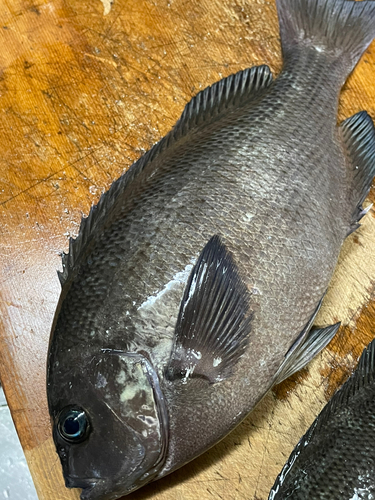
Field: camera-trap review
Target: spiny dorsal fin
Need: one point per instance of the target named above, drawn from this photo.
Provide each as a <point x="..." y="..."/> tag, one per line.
<point x="228" y="92"/>
<point x="213" y="324"/>
<point x="363" y="376"/>
<point x="98" y="214"/>
<point x="358" y="134"/>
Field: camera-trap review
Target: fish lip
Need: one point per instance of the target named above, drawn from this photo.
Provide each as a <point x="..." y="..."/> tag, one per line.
<point x="78" y="482"/>
<point x="94" y="491"/>
<point x="92" y="488"/>
<point x="86" y="493"/>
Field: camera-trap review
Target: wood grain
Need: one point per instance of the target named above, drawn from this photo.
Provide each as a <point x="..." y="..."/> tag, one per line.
<point x="82" y="95"/>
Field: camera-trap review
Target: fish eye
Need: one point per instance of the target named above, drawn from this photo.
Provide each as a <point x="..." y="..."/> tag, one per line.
<point x="73" y="425"/>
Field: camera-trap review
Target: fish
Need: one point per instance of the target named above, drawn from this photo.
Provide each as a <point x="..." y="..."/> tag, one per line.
<point x="335" y="459"/>
<point x="193" y="285"/>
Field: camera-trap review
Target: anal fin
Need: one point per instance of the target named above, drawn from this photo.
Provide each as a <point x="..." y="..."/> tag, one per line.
<point x="214" y="320"/>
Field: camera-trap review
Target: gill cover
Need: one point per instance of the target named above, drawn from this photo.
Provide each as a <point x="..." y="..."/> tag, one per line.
<point x="125" y="444"/>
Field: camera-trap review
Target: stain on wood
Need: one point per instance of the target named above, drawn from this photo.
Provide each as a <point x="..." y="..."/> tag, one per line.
<point x="82" y="95"/>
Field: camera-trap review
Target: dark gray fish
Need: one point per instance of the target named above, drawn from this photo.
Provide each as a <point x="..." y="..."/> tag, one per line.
<point x="192" y="286"/>
<point x="335" y="459"/>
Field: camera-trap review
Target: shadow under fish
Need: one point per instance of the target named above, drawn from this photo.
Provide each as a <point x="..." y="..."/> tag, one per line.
<point x="193" y="285"/>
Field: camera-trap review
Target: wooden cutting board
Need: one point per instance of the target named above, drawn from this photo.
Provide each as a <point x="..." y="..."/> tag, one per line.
<point x="86" y="87"/>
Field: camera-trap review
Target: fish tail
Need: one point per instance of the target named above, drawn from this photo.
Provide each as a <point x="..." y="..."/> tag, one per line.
<point x="342" y="28"/>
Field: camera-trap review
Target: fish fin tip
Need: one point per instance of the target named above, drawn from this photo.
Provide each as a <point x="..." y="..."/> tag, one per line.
<point x="214" y="320"/>
<point x="366" y="368"/>
<point x="342" y="28"/>
<point x="228" y="92"/>
<point x="300" y="355"/>
<point x="97" y="217"/>
<point x="60" y="275"/>
<point x="358" y="135"/>
<point x="363" y="375"/>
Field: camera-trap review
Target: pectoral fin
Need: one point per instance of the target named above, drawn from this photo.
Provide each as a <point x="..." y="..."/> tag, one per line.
<point x="214" y="321"/>
<point x="298" y="356"/>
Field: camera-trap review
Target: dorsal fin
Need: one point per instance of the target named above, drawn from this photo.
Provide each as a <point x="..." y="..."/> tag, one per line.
<point x="358" y="134"/>
<point x="228" y="92"/>
<point x="98" y="214"/>
<point x="363" y="376"/>
<point x="96" y="219"/>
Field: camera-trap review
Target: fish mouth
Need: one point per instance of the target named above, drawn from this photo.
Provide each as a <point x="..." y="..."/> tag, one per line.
<point x="98" y="490"/>
<point x="89" y="492"/>
<point x="101" y="490"/>
<point x="79" y="482"/>
<point x="92" y="488"/>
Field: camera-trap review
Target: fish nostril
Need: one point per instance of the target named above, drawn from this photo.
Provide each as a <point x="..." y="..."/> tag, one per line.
<point x="62" y="453"/>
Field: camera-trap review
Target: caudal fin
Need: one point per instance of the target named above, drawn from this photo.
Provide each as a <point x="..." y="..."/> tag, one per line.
<point x="343" y="28"/>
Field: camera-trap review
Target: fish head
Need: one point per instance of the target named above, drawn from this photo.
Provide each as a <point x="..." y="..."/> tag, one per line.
<point x="110" y="424"/>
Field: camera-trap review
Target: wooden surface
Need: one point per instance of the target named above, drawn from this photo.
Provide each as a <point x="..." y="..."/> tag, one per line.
<point x="86" y="87"/>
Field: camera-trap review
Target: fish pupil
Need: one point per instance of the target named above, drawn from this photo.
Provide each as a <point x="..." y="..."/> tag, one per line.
<point x="71" y="426"/>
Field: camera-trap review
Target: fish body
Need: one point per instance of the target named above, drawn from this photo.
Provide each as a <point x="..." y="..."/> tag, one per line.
<point x="335" y="459"/>
<point x="193" y="284"/>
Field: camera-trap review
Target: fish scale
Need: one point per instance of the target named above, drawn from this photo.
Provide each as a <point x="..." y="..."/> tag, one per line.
<point x="206" y="263"/>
